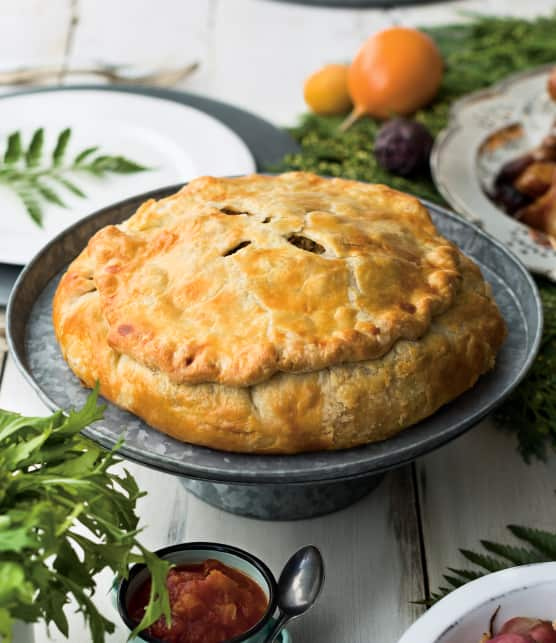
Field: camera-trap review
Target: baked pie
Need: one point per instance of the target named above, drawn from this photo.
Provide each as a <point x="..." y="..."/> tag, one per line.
<point x="277" y="314"/>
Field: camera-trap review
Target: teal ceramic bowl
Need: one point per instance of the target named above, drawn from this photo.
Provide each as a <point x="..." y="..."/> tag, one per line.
<point x="198" y="552"/>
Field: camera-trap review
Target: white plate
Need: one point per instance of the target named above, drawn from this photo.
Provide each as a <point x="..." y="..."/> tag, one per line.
<point x="463" y="615"/>
<point x="177" y="141"/>
<point x="463" y="165"/>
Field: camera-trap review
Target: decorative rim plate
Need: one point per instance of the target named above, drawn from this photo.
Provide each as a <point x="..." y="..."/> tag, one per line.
<point x="486" y="129"/>
<point x="34" y="348"/>
<point x="464" y="614"/>
<point x="175" y="141"/>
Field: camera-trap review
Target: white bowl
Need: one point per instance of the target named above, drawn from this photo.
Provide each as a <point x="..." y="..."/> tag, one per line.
<point x="463" y="615"/>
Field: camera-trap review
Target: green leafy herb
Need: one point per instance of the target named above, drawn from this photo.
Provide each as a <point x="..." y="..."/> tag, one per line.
<point x="535" y="546"/>
<point x="64" y="517"/>
<point x="36" y="182"/>
<point x="477" y="53"/>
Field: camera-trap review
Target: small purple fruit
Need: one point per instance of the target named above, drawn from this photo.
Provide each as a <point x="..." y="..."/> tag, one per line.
<point x="403" y="146"/>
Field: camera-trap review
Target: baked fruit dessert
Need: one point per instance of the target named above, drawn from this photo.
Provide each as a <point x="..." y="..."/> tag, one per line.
<point x="277" y="314"/>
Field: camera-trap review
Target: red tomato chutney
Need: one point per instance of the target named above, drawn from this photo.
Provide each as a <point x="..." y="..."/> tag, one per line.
<point x="210" y="603"/>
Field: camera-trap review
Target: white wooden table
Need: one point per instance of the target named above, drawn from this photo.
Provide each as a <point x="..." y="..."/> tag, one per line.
<point x="389" y="548"/>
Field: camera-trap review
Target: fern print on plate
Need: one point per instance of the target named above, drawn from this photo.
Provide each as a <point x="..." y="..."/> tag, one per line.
<point x="36" y="180"/>
<point x="142" y="143"/>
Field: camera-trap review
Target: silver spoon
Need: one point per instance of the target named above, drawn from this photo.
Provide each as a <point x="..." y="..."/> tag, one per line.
<point x="298" y="587"/>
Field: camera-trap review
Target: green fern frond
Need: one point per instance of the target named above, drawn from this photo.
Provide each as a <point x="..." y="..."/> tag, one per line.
<point x="36" y="182"/>
<point x="515" y="555"/>
<point x="543" y="541"/>
<point x="454" y="581"/>
<point x="47" y="193"/>
<point x="488" y="563"/>
<point x="34" y="151"/>
<point x="14" y="150"/>
<point x="538" y="546"/>
<point x="69" y="185"/>
<point x="119" y="164"/>
<point x="61" y="145"/>
<point x="31" y="204"/>
<point x="468" y="574"/>
<point x="82" y="156"/>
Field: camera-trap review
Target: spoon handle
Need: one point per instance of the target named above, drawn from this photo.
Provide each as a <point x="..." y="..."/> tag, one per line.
<point x="278" y="627"/>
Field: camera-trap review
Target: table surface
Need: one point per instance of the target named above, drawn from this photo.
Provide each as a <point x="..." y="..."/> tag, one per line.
<point x="393" y="546"/>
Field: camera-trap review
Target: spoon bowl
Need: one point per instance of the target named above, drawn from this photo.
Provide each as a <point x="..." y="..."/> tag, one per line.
<point x="299" y="586"/>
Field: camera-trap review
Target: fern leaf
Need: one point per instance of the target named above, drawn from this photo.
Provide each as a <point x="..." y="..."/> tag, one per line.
<point x="486" y="562"/>
<point x="542" y="541"/>
<point x="33" y="180"/>
<point x="31" y="204"/>
<point x="14" y="150"/>
<point x="454" y="581"/>
<point x="61" y="146"/>
<point x="48" y="193"/>
<point x="515" y="555"/>
<point x="82" y="156"/>
<point x="69" y="185"/>
<point x="466" y="573"/>
<point x="118" y="164"/>
<point x="34" y="151"/>
<point x="123" y="165"/>
<point x="437" y="596"/>
<point x="543" y="548"/>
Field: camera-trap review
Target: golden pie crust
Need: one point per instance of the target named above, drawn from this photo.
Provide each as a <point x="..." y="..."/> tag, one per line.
<point x="277" y="314"/>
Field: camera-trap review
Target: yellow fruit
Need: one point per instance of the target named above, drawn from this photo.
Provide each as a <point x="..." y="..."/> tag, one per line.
<point x="326" y="91"/>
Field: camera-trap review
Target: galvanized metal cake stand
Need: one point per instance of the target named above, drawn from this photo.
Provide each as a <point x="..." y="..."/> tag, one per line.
<point x="270" y="487"/>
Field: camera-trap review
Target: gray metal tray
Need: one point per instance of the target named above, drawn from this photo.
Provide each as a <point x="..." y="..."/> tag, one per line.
<point x="34" y="348"/>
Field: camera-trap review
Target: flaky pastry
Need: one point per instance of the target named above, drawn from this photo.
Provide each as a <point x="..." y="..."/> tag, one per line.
<point x="277" y="314"/>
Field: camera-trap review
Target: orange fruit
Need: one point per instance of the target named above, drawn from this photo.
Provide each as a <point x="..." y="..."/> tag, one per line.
<point x="326" y="91"/>
<point x="395" y="72"/>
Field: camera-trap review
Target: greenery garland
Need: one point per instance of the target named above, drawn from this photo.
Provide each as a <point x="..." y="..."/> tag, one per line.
<point x="477" y="53"/>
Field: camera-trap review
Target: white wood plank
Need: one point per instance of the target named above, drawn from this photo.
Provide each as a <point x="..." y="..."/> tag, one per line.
<point x="472" y="488"/>
<point x="33" y="32"/>
<point x="165" y="32"/>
